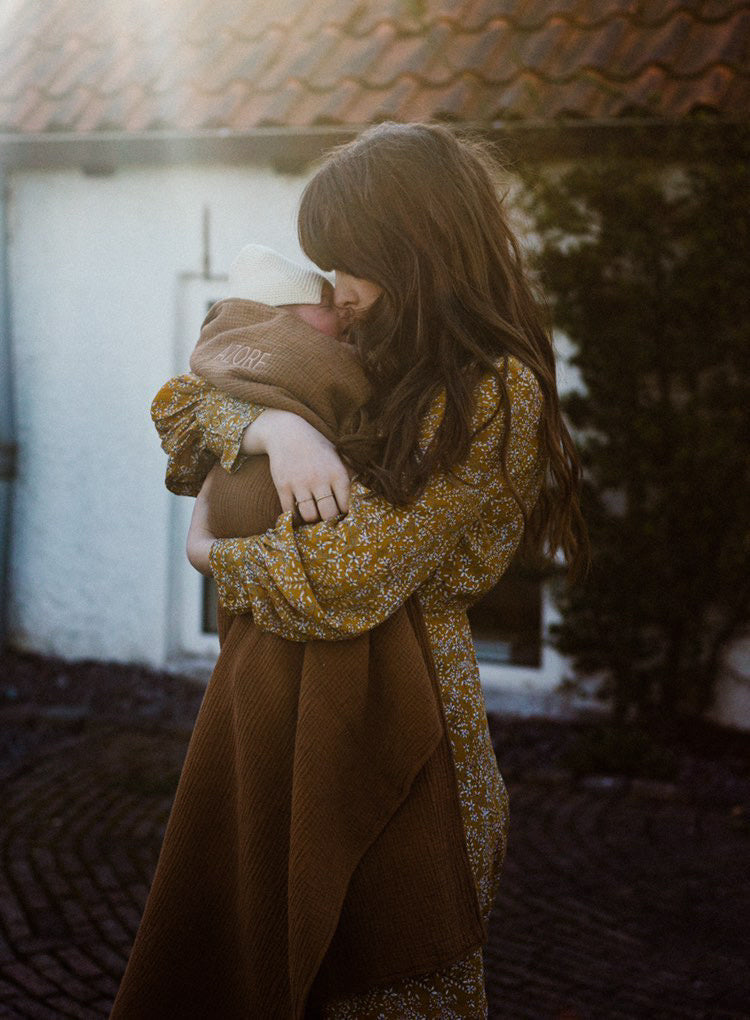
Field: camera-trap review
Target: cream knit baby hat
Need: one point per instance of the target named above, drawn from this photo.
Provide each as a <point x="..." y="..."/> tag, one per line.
<point x="261" y="274"/>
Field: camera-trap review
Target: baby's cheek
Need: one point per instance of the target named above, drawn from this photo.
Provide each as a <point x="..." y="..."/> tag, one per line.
<point x="332" y="323"/>
<point x="322" y="318"/>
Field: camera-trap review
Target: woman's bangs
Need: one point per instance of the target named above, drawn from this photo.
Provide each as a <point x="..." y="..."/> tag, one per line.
<point x="327" y="227"/>
<point x="317" y="227"/>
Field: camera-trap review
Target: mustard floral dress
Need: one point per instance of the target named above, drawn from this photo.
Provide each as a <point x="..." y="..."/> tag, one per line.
<point x="339" y="578"/>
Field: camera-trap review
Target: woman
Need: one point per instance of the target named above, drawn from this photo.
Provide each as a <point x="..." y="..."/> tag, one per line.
<point x="460" y="450"/>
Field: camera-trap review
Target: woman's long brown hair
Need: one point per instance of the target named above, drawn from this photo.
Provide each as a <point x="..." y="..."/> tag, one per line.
<point x="415" y="209"/>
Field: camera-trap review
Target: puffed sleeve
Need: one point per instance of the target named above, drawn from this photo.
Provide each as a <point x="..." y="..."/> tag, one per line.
<point x="197" y="425"/>
<point x="338" y="578"/>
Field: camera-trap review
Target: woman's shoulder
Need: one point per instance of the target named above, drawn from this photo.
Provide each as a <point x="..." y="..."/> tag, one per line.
<point x="524" y="391"/>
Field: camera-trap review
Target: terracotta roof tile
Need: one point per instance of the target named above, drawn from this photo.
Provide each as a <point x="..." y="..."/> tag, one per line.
<point x="202" y="20"/>
<point x="280" y="106"/>
<point x="87" y="67"/>
<point x="320" y="65"/>
<point x="13" y="54"/>
<point x="482" y="52"/>
<point x="200" y="110"/>
<point x="240" y="60"/>
<point x="730" y="47"/>
<point x="691" y="96"/>
<point x="247" y="115"/>
<point x="23" y="106"/>
<point x="523" y="96"/>
<point x="17" y="77"/>
<point x="39" y="68"/>
<point x="71" y="108"/>
<point x="737" y="95"/>
<point x="341" y="14"/>
<point x="332" y="108"/>
<point x="462" y="99"/>
<point x="41" y="115"/>
<point x="380" y="59"/>
<point x="104" y="113"/>
<point x="473" y="16"/>
<point x="647" y="89"/>
<point x="131" y="66"/>
<point x="83" y="65"/>
<point x="396" y="56"/>
<point x="394" y="103"/>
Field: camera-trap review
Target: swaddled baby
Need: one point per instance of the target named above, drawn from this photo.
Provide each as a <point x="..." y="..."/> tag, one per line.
<point x="273" y="342"/>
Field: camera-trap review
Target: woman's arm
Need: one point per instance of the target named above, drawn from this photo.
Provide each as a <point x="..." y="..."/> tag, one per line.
<point x="341" y="577"/>
<point x="199" y="424"/>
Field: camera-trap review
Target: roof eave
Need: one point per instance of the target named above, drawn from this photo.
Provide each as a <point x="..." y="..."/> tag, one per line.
<point x="291" y="149"/>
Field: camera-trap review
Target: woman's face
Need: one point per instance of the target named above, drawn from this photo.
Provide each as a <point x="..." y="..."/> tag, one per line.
<point x="353" y="296"/>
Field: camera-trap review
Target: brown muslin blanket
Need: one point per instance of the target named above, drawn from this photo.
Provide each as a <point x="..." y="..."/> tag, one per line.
<point x="268" y="356"/>
<point x="315" y="846"/>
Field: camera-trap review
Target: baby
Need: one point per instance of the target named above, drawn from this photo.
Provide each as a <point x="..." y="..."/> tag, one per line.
<point x="274" y="342"/>
<point x="263" y="275"/>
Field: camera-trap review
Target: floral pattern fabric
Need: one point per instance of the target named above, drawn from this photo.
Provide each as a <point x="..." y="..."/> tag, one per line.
<point x="341" y="577"/>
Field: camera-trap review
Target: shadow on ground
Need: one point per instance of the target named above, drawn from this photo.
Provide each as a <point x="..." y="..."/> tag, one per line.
<point x="623" y="896"/>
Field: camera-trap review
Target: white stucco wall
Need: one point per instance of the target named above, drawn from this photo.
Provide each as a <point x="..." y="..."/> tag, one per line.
<point x="100" y="273"/>
<point x="94" y="274"/>
<point x="100" y="280"/>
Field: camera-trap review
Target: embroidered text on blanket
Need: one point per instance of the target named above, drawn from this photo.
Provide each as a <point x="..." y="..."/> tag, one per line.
<point x="244" y="357"/>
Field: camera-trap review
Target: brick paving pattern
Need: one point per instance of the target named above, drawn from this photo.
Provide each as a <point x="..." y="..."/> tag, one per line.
<point x="621" y="898"/>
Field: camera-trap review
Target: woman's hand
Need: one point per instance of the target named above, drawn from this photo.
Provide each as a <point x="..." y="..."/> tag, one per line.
<point x="307" y="471"/>
<point x="200" y="539"/>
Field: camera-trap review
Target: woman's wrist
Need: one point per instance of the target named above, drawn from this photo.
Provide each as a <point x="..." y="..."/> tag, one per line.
<point x="212" y="551"/>
<point x="254" y="436"/>
<point x="271" y="431"/>
<point x="199" y="551"/>
<point x="199" y="536"/>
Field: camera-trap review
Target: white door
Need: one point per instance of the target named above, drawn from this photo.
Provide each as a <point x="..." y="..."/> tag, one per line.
<point x="194" y="623"/>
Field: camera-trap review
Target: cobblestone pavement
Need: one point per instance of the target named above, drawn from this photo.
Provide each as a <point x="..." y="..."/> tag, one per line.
<point x="621" y="898"/>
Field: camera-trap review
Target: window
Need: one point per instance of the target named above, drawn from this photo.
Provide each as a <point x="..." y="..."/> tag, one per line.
<point x="210" y="593"/>
<point x="210" y="605"/>
<point x="507" y="623"/>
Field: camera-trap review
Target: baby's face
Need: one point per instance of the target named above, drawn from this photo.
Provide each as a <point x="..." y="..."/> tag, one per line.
<point x="322" y="317"/>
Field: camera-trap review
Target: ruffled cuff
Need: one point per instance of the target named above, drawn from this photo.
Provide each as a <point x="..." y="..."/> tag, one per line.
<point x="228" y="560"/>
<point x="223" y="420"/>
